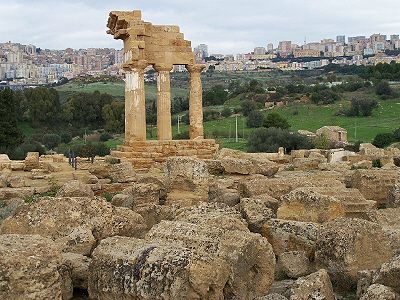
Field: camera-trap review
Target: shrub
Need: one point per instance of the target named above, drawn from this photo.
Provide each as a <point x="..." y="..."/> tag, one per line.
<point x="383" y="89"/>
<point x="226" y="112"/>
<point x="51" y="140"/>
<point x="376" y="163"/>
<point x="184" y="135"/>
<point x="104" y="137"/>
<point x="248" y="106"/>
<point x="276" y="120"/>
<point x="65" y="137"/>
<point x="210" y="115"/>
<point x="383" y="140"/>
<point x="20" y="152"/>
<point x="362" y="107"/>
<point x="322" y="142"/>
<point x="270" y="139"/>
<point x="325" y="96"/>
<point x="255" y="119"/>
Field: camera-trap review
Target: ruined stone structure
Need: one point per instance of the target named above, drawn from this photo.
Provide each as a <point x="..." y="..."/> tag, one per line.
<point x="161" y="46"/>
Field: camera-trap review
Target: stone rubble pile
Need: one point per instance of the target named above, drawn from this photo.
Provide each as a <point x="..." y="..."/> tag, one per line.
<point x="238" y="226"/>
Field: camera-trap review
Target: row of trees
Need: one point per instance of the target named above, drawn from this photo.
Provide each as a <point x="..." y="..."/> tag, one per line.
<point x="378" y="72"/>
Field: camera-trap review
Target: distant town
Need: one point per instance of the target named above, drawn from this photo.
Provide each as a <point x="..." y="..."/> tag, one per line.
<point x="28" y="65"/>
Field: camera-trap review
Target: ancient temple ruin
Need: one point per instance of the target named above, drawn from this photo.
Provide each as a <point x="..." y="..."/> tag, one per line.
<point x="161" y="46"/>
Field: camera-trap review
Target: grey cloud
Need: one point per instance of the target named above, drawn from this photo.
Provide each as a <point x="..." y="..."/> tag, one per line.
<point x="227" y="26"/>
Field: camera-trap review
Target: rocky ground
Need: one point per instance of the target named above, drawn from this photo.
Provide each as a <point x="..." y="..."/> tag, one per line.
<point x="240" y="226"/>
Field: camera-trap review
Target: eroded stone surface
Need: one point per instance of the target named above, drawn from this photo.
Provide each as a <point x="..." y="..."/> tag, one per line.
<point x="29" y="268"/>
<point x="75" y="224"/>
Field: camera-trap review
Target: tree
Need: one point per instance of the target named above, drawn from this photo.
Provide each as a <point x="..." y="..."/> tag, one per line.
<point x="10" y="135"/>
<point x="383" y="89"/>
<point x="383" y="140"/>
<point x="324" y="96"/>
<point x="215" y="96"/>
<point x="270" y="139"/>
<point x="51" y="140"/>
<point x="248" y="106"/>
<point x="85" y="109"/>
<point x="114" y="116"/>
<point x="43" y="105"/>
<point x="255" y="119"/>
<point x="226" y="112"/>
<point x="276" y="120"/>
<point x="362" y="107"/>
<point x="256" y="87"/>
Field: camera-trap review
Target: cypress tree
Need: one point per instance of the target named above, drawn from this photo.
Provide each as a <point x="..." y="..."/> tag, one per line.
<point x="10" y="134"/>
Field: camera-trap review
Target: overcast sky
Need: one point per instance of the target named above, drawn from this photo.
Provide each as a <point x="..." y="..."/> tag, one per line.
<point x="227" y="26"/>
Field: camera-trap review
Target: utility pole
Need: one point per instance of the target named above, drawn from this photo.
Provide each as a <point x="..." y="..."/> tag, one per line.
<point x="236" y="128"/>
<point x="355" y="130"/>
<point x="179" y="121"/>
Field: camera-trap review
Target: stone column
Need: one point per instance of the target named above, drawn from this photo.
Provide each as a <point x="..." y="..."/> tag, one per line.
<point x="135" y="103"/>
<point x="164" y="127"/>
<point x="196" y="130"/>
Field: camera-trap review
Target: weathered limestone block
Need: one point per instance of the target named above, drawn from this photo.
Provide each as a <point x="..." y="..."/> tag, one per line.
<point x="122" y="173"/>
<point x="354" y="203"/>
<point x="282" y="287"/>
<point x="214" y="166"/>
<point x="129" y="268"/>
<point x="273" y="296"/>
<point x="306" y="205"/>
<point x="314" y="286"/>
<point x="374" y="184"/>
<point x="38" y="174"/>
<point x="32" y="161"/>
<point x="394" y="194"/>
<point x="389" y="274"/>
<point x="364" y="164"/>
<point x="185" y="173"/>
<point x="389" y="220"/>
<point x="256" y="212"/>
<point x="277" y="187"/>
<point x="75" y="188"/>
<point x="306" y="164"/>
<point x="249" y="256"/>
<point x="379" y="292"/>
<point x="5" y="162"/>
<point x="78" y="266"/>
<point x="364" y="280"/>
<point x="285" y="235"/>
<point x="100" y="170"/>
<point x="154" y="213"/>
<point x="141" y="193"/>
<point x="220" y="194"/>
<point x="214" y="215"/>
<point x="10" y="193"/>
<point x="346" y="246"/>
<point x="294" y="264"/>
<point x="7" y="207"/>
<point x="233" y="165"/>
<point x="16" y="181"/>
<point x="29" y="268"/>
<point x="75" y="224"/>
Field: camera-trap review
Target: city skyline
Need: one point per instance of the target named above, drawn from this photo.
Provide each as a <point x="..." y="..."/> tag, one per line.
<point x="227" y="28"/>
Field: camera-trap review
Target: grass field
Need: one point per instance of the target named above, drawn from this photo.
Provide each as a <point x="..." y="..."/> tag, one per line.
<point x="115" y="89"/>
<point x="385" y="118"/>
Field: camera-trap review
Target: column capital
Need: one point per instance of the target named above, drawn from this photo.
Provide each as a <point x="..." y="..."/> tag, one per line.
<point x="138" y="64"/>
<point x="163" y="67"/>
<point x="195" y="68"/>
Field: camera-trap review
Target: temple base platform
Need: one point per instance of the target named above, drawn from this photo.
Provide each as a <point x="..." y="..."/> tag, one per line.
<point x="146" y="154"/>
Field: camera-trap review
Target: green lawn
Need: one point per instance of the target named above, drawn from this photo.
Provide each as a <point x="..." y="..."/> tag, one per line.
<point x="385" y="118"/>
